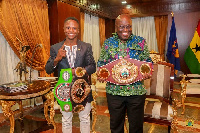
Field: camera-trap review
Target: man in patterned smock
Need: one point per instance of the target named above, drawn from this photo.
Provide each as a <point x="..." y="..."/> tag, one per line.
<point x="130" y="98"/>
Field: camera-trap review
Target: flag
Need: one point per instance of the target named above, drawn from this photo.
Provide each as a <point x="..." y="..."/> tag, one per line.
<point x="192" y="53"/>
<point x="172" y="51"/>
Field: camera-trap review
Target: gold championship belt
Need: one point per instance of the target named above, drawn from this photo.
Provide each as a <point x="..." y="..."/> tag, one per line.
<point x="125" y="71"/>
<point x="80" y="90"/>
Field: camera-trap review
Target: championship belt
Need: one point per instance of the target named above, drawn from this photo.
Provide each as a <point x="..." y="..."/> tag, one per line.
<point x="79" y="90"/>
<point x="62" y="89"/>
<point x="125" y="71"/>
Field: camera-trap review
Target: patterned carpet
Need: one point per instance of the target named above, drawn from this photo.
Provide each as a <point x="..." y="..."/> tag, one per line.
<point x="190" y="121"/>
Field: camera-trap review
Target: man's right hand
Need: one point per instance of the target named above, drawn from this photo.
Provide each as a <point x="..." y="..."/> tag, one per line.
<point x="99" y="78"/>
<point x="60" y="55"/>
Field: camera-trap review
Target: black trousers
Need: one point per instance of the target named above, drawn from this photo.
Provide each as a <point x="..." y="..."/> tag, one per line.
<point x="120" y="105"/>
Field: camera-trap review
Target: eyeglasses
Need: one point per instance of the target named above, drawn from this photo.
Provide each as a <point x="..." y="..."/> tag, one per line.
<point x="122" y="27"/>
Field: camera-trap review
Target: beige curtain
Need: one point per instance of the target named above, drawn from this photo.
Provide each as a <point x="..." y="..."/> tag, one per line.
<point x="27" y="20"/>
<point x="91" y="34"/>
<point x="161" y="23"/>
<point x="145" y="27"/>
<point x="102" y="30"/>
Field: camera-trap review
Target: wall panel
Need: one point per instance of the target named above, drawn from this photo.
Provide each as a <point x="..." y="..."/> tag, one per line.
<point x="64" y="11"/>
<point x="58" y="12"/>
<point x="53" y="21"/>
<point x="109" y="27"/>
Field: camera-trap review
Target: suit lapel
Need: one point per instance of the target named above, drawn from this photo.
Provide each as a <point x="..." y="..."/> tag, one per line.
<point x="77" y="53"/>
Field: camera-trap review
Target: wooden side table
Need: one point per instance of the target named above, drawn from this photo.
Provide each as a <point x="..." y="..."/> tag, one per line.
<point x="37" y="88"/>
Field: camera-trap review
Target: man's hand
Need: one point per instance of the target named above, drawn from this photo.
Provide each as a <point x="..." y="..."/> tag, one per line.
<point x="147" y="76"/>
<point x="60" y="55"/>
<point x="99" y="78"/>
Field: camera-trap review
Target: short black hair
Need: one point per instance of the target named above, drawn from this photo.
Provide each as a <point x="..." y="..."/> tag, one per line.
<point x="71" y="18"/>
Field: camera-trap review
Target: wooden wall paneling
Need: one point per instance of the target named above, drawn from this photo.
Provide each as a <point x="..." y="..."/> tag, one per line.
<point x="53" y="21"/>
<point x="75" y="12"/>
<point x="109" y="27"/>
<point x="136" y="8"/>
<point x="64" y="11"/>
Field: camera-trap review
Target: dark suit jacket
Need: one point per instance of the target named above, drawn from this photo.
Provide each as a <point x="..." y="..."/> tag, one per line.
<point x="84" y="58"/>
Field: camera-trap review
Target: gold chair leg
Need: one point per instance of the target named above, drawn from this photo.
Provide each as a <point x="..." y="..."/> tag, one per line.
<point x="183" y="104"/>
<point x="125" y="128"/>
<point x="50" y="102"/>
<point x="6" y="108"/>
<point x="174" y="123"/>
<point x="94" y="111"/>
<point x="183" y="92"/>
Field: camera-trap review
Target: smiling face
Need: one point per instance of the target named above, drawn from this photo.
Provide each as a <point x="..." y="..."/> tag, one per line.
<point x="124" y="27"/>
<point x="71" y="29"/>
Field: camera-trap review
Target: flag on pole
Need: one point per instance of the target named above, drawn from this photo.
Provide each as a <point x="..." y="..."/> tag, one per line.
<point x="172" y="51"/>
<point x="192" y="53"/>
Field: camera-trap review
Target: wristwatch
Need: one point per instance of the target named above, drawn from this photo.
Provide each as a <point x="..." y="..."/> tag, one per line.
<point x="62" y="89"/>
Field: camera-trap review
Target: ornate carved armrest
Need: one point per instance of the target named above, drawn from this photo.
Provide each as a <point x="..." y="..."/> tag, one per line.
<point x="155" y="56"/>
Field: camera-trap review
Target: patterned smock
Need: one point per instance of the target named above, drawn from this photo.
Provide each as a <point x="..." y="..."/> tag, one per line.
<point x="135" y="47"/>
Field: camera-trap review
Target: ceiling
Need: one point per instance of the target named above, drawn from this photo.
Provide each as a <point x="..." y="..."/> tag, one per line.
<point x="136" y="8"/>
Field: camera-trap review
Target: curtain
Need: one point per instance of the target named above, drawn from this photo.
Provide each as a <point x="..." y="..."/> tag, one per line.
<point x="82" y="15"/>
<point x="91" y="34"/>
<point x="161" y="23"/>
<point x="24" y="22"/>
<point x="102" y="30"/>
<point x="145" y="27"/>
<point x="28" y="21"/>
<point x="8" y="61"/>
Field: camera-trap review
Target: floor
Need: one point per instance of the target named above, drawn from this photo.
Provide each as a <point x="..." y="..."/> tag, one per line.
<point x="35" y="122"/>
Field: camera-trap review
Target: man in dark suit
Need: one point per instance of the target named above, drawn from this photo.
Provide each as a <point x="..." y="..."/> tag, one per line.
<point x="73" y="53"/>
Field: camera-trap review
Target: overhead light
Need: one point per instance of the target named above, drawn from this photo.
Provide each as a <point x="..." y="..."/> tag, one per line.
<point x="124" y="2"/>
